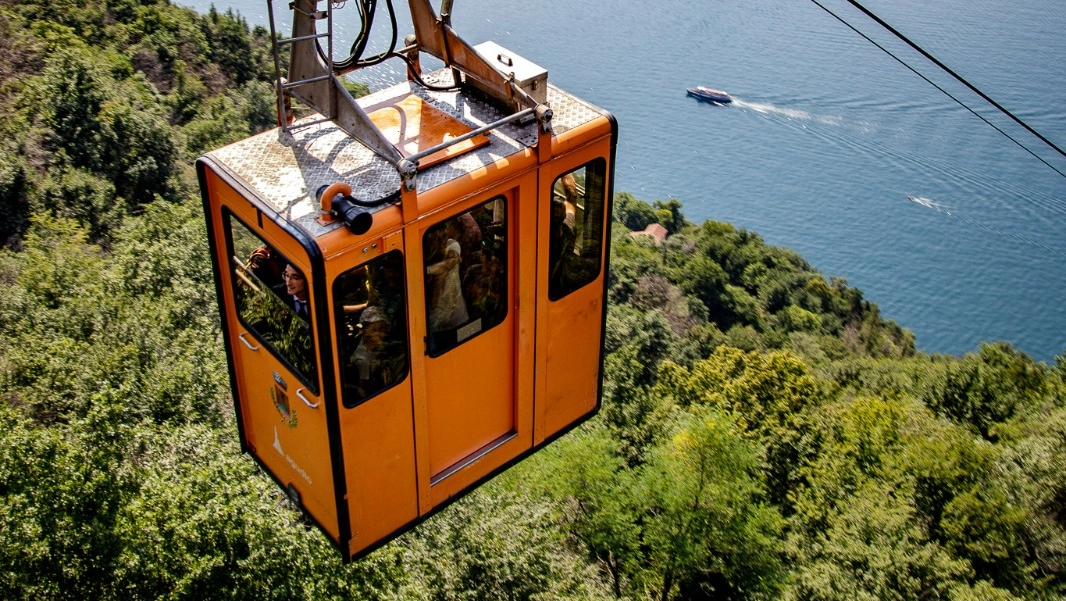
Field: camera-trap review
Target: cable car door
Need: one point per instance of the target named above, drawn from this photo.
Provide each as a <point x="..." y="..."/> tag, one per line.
<point x="574" y="217"/>
<point x="469" y="279"/>
<point x="273" y="355"/>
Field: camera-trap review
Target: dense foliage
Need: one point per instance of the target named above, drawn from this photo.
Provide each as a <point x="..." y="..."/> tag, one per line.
<point x="765" y="434"/>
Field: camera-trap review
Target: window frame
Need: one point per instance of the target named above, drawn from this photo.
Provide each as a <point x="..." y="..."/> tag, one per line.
<point x="340" y="324"/>
<point x="435" y="346"/>
<point x="312" y="382"/>
<point x="596" y="171"/>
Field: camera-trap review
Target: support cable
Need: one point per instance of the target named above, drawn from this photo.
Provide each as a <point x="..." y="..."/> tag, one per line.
<point x="947" y="70"/>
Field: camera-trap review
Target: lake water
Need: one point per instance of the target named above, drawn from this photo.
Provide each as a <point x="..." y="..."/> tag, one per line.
<point x="828" y="137"/>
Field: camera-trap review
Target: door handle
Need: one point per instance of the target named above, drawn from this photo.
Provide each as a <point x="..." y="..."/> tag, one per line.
<point x="246" y="343"/>
<point x="300" y="394"/>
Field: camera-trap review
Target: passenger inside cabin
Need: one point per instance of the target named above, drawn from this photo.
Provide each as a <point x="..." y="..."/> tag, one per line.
<point x="381" y="284"/>
<point x="293" y="291"/>
<point x="372" y="327"/>
<point x="386" y="290"/>
<point x="569" y="189"/>
<point x="444" y="294"/>
<point x="264" y="264"/>
<point x="560" y="249"/>
<point x="467" y="232"/>
<point x="379" y="361"/>
<point x="483" y="287"/>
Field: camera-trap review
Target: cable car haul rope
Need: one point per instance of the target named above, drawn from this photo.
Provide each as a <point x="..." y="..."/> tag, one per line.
<point x="985" y="97"/>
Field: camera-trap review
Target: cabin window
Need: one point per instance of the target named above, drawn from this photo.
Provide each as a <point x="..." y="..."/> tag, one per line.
<point x="273" y="300"/>
<point x="465" y="275"/>
<point x="370" y="304"/>
<point x="576" y="228"/>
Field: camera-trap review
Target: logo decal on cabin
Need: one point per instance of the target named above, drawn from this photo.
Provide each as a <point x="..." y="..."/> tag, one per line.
<point x="280" y="381"/>
<point x="281" y="402"/>
<point x="288" y="458"/>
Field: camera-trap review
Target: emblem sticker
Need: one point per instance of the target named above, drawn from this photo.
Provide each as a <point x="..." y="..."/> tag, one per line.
<point x="281" y="402"/>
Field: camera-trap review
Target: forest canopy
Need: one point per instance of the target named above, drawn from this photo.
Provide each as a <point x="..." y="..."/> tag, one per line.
<point x="765" y="433"/>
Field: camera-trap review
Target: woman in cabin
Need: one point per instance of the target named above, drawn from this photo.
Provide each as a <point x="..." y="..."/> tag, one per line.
<point x="447" y="308"/>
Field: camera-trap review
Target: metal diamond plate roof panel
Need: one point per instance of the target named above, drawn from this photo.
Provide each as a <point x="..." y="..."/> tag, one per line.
<point x="286" y="170"/>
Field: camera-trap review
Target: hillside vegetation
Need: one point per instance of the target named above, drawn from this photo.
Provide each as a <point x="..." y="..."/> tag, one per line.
<point x="765" y="433"/>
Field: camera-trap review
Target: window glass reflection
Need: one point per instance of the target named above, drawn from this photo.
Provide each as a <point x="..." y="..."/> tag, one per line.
<point x="465" y="275"/>
<point x="273" y="300"/>
<point x="576" y="228"/>
<point x="371" y="311"/>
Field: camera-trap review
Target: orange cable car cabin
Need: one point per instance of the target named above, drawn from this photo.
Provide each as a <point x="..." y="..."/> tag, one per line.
<point x="404" y="320"/>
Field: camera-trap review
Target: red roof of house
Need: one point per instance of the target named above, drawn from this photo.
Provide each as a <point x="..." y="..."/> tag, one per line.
<point x="654" y="230"/>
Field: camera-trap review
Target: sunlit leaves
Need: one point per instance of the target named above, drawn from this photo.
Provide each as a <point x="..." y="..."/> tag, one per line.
<point x="75" y="322"/>
<point x="989" y="388"/>
<point x="493" y="545"/>
<point x="204" y="521"/>
<point x="708" y="525"/>
<point x="76" y="91"/>
<point x="872" y="548"/>
<point x="60" y="491"/>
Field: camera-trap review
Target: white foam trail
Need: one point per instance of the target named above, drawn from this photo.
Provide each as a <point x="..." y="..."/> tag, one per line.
<point x="928" y="203"/>
<point x="796" y="114"/>
<point x="931" y="204"/>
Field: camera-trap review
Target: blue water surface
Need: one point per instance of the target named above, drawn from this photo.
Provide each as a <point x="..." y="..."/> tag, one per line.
<point x="830" y="136"/>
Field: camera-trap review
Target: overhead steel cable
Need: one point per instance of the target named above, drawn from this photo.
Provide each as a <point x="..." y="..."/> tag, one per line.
<point x="952" y="73"/>
<point x="958" y="77"/>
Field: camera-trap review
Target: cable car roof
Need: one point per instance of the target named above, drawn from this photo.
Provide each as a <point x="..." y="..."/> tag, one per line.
<point x="287" y="175"/>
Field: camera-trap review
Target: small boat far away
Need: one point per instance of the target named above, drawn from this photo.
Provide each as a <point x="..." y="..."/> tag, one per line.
<point x="711" y="95"/>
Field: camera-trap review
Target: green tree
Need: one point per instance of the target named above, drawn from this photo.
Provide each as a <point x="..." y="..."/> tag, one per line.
<point x="988" y="388"/>
<point x="138" y="152"/>
<point x="632" y="212"/>
<point x="230" y="44"/>
<point x="707" y="527"/>
<point x="668" y="213"/>
<point x="228" y="118"/>
<point x="61" y="490"/>
<point x="205" y="520"/>
<point x="634" y="415"/>
<point x="76" y="92"/>
<point x="15" y="191"/>
<point x="493" y="545"/>
<point x="598" y="492"/>
<point x="82" y="196"/>
<point x="871" y="549"/>
<point x="767" y="395"/>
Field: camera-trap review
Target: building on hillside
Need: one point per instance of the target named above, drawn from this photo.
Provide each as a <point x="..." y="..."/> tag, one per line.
<point x="655" y="231"/>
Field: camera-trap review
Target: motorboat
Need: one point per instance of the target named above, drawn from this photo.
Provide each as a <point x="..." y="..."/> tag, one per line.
<point x="711" y="95"/>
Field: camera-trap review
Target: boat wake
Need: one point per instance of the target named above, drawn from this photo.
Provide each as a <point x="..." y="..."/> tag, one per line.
<point x="931" y="204"/>
<point x="793" y="114"/>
